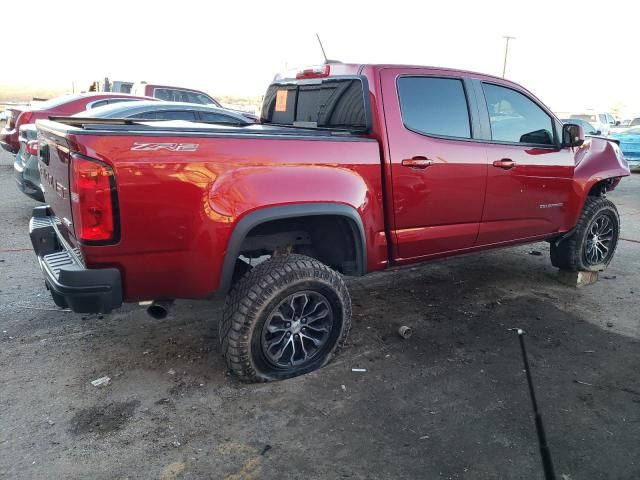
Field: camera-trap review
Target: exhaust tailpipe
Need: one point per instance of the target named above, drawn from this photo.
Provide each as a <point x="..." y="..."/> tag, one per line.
<point x="159" y="309"/>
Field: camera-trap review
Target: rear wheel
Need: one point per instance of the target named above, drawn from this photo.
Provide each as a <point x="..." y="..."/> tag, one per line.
<point x="285" y="317"/>
<point x="593" y="242"/>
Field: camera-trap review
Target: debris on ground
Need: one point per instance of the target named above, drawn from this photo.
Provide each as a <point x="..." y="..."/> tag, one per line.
<point x="358" y="369"/>
<point x="102" y="381"/>
<point x="265" y="449"/>
<point x="405" y="332"/>
<point x="536" y="253"/>
<point x="584" y="383"/>
<point x="171" y="371"/>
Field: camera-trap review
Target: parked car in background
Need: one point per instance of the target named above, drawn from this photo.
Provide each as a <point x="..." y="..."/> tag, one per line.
<point x="25" y="165"/>
<point x="586" y="126"/>
<point x="167" y="111"/>
<point x="630" y="145"/>
<point x="625" y="124"/>
<point x="174" y="94"/>
<point x="179" y="94"/>
<point x="602" y="121"/>
<point x="60" y="106"/>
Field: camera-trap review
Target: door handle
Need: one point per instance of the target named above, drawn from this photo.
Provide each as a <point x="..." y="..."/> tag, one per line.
<point x="505" y="163"/>
<point x="417" y="162"/>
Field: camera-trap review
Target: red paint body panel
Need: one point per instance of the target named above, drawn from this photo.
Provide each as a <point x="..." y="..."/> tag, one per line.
<point x="77" y="103"/>
<point x="178" y="212"/>
<point x="178" y="209"/>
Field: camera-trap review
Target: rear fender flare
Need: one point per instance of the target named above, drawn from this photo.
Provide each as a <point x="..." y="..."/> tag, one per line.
<point x="264" y="215"/>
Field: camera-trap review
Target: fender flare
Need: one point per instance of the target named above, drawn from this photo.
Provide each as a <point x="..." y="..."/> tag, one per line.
<point x="264" y="215"/>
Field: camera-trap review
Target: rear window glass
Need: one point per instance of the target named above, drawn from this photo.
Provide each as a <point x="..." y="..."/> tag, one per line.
<point x="333" y="103"/>
<point x="587" y="118"/>
<point x="435" y="106"/>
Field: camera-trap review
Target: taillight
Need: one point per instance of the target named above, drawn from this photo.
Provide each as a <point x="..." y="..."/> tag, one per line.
<point x="319" y="71"/>
<point x="10" y="119"/>
<point x="23" y="118"/>
<point x="32" y="148"/>
<point x="93" y="200"/>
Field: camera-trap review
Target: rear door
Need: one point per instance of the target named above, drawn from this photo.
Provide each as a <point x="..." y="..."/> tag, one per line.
<point x="530" y="177"/>
<point x="438" y="169"/>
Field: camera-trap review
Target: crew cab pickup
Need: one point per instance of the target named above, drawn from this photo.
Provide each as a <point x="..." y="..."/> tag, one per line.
<point x="353" y="169"/>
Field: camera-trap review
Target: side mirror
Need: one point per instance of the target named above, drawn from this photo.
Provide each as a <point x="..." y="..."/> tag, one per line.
<point x="617" y="123"/>
<point x="572" y="135"/>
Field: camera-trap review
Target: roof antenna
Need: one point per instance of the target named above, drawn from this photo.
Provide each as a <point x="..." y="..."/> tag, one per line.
<point x="326" y="60"/>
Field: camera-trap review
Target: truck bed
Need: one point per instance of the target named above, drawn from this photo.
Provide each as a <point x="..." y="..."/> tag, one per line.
<point x="182" y="188"/>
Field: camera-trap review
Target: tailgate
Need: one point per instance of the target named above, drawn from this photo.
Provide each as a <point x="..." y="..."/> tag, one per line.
<point x="54" y="165"/>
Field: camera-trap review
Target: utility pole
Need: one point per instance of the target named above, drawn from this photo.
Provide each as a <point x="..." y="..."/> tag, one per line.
<point x="506" y="52"/>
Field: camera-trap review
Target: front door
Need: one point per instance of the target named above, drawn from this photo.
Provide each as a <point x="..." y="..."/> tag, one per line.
<point x="530" y="177"/>
<point x="438" y="171"/>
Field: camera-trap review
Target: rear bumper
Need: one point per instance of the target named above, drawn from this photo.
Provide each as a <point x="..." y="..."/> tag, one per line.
<point x="72" y="285"/>
<point x="26" y="181"/>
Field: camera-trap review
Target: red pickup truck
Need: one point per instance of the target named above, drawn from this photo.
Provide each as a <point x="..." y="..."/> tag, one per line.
<point x="355" y="168"/>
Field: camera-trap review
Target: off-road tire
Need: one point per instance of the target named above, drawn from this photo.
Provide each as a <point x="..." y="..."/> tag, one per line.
<point x="568" y="253"/>
<point x="252" y="301"/>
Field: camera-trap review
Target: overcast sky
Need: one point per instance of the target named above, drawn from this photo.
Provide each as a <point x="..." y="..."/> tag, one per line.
<point x="573" y="55"/>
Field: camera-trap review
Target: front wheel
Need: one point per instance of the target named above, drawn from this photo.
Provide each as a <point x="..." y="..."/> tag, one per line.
<point x="594" y="240"/>
<point x="285" y="317"/>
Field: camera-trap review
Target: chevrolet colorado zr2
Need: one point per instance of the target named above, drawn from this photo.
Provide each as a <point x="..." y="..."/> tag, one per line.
<point x="352" y="169"/>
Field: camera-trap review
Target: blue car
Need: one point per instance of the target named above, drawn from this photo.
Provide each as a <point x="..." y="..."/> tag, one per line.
<point x="630" y="146"/>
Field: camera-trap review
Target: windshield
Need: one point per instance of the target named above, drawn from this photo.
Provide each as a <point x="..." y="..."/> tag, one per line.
<point x="335" y="102"/>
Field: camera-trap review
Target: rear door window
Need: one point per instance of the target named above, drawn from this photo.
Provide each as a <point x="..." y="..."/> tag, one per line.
<point x="217" y="118"/>
<point x="99" y="103"/>
<point x="434" y="106"/>
<point x="176" y="115"/>
<point x="515" y="118"/>
<point x="199" y="98"/>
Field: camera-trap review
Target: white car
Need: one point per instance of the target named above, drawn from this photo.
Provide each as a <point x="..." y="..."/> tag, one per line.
<point x="602" y="121"/>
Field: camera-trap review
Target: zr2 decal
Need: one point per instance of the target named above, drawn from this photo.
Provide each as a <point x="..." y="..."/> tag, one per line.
<point x="172" y="147"/>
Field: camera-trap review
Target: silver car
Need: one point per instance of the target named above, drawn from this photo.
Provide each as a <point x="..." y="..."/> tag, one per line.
<point x="150" y="110"/>
<point x="26" y="162"/>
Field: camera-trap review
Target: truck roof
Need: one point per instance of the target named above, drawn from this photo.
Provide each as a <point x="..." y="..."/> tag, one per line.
<point x="337" y="68"/>
<point x="353" y="68"/>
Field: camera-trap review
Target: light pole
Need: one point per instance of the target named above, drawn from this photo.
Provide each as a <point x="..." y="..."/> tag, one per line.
<point x="506" y="52"/>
